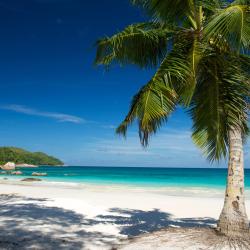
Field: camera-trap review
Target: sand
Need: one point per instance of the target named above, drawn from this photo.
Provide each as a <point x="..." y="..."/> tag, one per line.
<point x="42" y="215"/>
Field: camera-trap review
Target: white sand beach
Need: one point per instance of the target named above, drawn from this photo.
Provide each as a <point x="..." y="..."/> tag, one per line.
<point x="42" y="215"/>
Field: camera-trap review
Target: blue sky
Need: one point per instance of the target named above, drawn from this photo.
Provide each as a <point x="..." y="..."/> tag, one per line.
<point x="54" y="100"/>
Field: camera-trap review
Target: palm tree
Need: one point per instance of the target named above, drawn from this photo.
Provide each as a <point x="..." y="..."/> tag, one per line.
<point x="200" y="52"/>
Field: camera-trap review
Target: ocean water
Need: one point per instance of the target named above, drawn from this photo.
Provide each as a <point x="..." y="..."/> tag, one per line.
<point x="151" y="177"/>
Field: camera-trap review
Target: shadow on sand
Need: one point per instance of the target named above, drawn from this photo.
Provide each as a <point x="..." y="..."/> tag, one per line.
<point x="26" y="223"/>
<point x="136" y="222"/>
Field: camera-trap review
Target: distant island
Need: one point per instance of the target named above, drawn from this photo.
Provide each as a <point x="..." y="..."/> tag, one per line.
<point x="21" y="156"/>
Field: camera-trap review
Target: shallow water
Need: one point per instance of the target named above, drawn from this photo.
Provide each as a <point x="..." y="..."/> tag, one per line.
<point x="151" y="177"/>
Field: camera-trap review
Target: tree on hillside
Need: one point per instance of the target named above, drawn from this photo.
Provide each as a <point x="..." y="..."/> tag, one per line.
<point x="200" y="52"/>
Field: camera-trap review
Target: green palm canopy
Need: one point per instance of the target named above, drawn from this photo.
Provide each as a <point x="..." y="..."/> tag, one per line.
<point x="200" y="50"/>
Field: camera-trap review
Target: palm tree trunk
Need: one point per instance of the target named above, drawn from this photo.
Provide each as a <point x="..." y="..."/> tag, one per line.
<point x="233" y="219"/>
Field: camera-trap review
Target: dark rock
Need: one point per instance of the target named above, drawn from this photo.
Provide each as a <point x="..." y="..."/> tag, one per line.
<point x="31" y="179"/>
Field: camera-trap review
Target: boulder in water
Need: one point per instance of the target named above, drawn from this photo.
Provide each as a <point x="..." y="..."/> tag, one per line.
<point x="16" y="172"/>
<point x="9" y="166"/>
<point x="31" y="179"/>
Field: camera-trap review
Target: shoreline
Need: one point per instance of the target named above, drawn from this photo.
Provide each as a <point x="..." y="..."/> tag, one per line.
<point x="170" y="190"/>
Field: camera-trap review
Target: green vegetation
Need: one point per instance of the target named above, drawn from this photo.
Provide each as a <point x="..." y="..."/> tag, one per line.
<point x="200" y="50"/>
<point x="19" y="155"/>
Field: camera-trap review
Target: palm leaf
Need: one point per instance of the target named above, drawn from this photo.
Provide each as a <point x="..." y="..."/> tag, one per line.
<point x="142" y="44"/>
<point x="219" y="104"/>
<point x="177" y="11"/>
<point x="150" y="107"/>
<point x="158" y="98"/>
<point x="230" y="26"/>
<point x="194" y="55"/>
<point x="167" y="10"/>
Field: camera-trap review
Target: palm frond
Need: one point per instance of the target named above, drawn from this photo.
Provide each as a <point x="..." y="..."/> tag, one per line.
<point x="230" y="25"/>
<point x="158" y="98"/>
<point x="177" y="11"/>
<point x="211" y="5"/>
<point x="167" y="10"/>
<point x="245" y="62"/>
<point x="151" y="107"/>
<point x="143" y="44"/>
<point x="194" y="55"/>
<point x="219" y="104"/>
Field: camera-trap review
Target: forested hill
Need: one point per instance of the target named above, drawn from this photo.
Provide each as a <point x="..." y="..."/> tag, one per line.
<point x="19" y="155"/>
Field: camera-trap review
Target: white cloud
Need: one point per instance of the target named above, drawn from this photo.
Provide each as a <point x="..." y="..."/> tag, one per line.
<point x="61" y="117"/>
<point x="170" y="148"/>
<point x="177" y="141"/>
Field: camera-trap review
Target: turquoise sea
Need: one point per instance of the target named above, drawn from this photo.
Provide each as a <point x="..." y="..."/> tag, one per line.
<point x="156" y="177"/>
